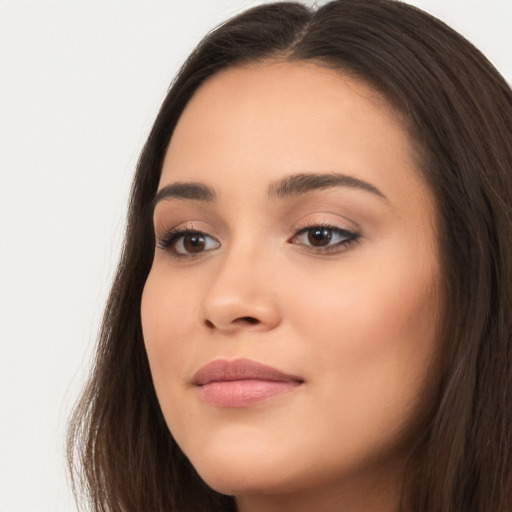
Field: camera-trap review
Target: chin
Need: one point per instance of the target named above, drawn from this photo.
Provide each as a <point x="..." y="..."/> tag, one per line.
<point x="238" y="484"/>
<point x="254" y="482"/>
<point x="240" y="472"/>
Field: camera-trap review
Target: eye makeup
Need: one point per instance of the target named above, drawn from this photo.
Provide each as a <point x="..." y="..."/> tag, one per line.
<point x="324" y="238"/>
<point x="320" y="238"/>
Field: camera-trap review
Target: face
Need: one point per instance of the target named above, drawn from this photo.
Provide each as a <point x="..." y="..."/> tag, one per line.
<point x="291" y="310"/>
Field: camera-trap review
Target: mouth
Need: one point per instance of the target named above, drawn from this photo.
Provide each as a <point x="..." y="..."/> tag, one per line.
<point x="242" y="383"/>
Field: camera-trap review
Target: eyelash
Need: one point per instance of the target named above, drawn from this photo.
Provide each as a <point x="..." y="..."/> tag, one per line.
<point x="348" y="238"/>
<point x="169" y="240"/>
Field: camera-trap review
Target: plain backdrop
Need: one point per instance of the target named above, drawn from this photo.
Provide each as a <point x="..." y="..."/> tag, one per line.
<point x="80" y="84"/>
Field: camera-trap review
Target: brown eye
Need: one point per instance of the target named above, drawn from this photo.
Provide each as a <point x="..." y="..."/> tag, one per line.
<point x="189" y="243"/>
<point x="325" y="239"/>
<point x="181" y="243"/>
<point x="318" y="237"/>
<point x="194" y="243"/>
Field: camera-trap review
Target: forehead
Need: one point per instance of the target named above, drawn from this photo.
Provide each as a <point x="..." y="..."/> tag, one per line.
<point x="257" y="123"/>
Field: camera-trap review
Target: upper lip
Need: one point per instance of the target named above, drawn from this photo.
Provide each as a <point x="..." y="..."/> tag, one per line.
<point x="222" y="370"/>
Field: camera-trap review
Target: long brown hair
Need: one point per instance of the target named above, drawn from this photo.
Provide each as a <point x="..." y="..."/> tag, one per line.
<point x="459" y="114"/>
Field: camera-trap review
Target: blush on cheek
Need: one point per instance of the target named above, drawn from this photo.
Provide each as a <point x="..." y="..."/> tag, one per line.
<point x="372" y="318"/>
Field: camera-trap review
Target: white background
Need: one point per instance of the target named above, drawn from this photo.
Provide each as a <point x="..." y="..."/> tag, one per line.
<point x="80" y="84"/>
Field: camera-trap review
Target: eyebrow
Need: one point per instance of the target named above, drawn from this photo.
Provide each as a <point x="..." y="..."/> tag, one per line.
<point x="194" y="191"/>
<point x="294" y="185"/>
<point x="298" y="184"/>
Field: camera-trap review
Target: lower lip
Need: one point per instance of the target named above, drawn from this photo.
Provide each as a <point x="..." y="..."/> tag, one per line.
<point x="244" y="393"/>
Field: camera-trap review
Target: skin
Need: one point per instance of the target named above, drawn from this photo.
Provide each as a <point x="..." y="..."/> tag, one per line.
<point x="357" y="323"/>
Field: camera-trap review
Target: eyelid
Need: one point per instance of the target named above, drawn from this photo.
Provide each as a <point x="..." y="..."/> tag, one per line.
<point x="165" y="227"/>
<point x="343" y="233"/>
<point x="327" y="219"/>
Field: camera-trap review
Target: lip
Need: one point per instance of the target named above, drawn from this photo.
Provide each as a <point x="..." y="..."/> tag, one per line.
<point x="242" y="382"/>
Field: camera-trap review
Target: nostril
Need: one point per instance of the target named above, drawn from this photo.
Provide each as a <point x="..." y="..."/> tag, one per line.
<point x="248" y="319"/>
<point x="240" y="321"/>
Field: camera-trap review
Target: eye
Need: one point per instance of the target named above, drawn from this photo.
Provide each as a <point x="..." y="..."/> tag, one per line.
<point x="187" y="242"/>
<point x="325" y="238"/>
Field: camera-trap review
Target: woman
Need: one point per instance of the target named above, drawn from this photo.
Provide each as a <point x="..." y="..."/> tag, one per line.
<point x="313" y="306"/>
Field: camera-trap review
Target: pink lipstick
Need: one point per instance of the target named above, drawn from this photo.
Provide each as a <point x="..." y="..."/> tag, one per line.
<point x="242" y="382"/>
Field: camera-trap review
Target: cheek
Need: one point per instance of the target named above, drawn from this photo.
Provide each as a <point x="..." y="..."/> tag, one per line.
<point x="365" y="313"/>
<point x="167" y="326"/>
<point x="367" y="305"/>
<point x="373" y="337"/>
<point x="383" y="297"/>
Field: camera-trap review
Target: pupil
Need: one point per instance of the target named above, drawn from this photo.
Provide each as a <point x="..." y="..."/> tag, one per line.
<point x="319" y="236"/>
<point x="194" y="243"/>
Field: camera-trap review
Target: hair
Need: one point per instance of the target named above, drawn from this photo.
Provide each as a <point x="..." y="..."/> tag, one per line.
<point x="458" y="112"/>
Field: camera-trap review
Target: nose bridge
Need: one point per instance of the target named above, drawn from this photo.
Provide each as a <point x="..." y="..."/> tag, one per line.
<point x="241" y="294"/>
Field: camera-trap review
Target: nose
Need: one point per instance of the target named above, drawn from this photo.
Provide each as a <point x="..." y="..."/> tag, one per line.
<point x="241" y="296"/>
